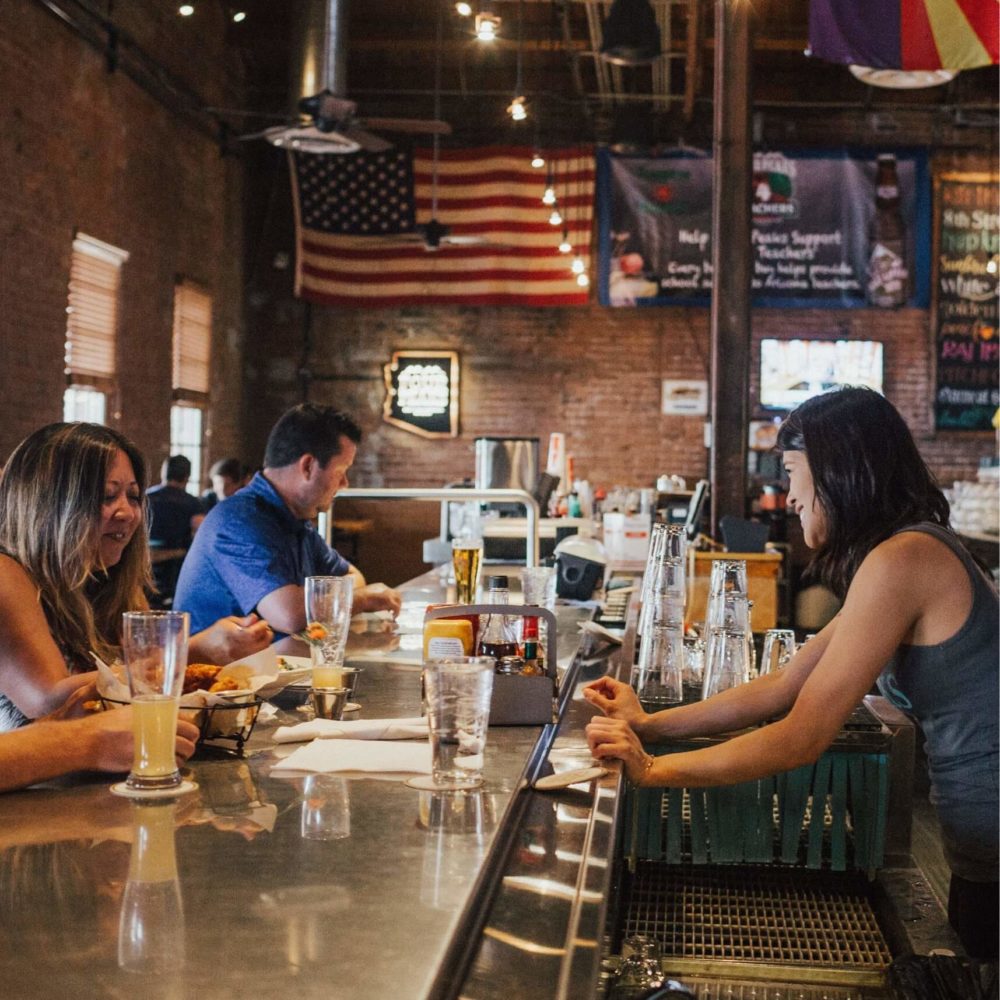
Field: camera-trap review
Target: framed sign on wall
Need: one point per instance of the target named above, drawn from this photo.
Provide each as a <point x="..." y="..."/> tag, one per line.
<point x="421" y="392"/>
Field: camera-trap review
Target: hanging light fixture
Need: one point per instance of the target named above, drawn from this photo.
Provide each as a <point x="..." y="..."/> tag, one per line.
<point x="555" y="219"/>
<point x="631" y="34"/>
<point x="578" y="267"/>
<point x="239" y="16"/>
<point x="463" y="9"/>
<point x="487" y="23"/>
<point x="186" y="9"/>
<point x="517" y="110"/>
<point x="583" y="281"/>
<point x="565" y="246"/>
<point x="537" y="160"/>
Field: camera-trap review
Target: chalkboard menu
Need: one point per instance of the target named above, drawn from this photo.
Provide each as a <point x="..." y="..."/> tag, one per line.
<point x="966" y="260"/>
<point x="422" y="392"/>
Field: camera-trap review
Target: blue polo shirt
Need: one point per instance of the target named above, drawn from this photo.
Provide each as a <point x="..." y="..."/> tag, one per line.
<point x="245" y="549"/>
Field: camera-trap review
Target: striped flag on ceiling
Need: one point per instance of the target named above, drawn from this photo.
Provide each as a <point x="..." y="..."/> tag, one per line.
<point x="906" y="34"/>
<point x="361" y="242"/>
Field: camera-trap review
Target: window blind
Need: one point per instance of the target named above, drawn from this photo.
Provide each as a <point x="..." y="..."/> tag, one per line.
<point x="192" y="338"/>
<point x="92" y="313"/>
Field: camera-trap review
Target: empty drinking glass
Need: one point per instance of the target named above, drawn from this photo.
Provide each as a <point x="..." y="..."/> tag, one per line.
<point x="659" y="675"/>
<point x="779" y="648"/>
<point x="727" y="661"/>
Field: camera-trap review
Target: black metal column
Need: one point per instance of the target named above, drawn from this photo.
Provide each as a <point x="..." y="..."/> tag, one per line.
<point x="732" y="262"/>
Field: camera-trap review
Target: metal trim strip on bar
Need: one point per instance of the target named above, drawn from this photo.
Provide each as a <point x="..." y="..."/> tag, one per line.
<point x="445" y="495"/>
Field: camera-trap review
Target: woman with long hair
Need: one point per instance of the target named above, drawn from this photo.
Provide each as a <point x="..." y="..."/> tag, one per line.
<point x="73" y="558"/>
<point x="919" y="619"/>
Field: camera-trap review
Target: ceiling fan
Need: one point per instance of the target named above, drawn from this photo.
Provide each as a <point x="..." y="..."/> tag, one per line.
<point x="330" y="124"/>
<point x="433" y="233"/>
<point x="326" y="122"/>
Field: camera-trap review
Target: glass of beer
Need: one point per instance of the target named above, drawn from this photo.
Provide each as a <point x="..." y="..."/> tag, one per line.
<point x="466" y="557"/>
<point x="328" y="620"/>
<point x="154" y="644"/>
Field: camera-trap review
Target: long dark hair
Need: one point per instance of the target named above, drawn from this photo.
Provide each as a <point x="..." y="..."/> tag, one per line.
<point x="869" y="477"/>
<point x="51" y="492"/>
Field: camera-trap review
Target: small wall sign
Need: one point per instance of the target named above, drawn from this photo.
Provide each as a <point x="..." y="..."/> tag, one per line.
<point x="685" y="398"/>
<point x="422" y="392"/>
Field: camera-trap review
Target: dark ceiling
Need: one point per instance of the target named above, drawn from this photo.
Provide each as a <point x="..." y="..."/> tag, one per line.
<point x="393" y="51"/>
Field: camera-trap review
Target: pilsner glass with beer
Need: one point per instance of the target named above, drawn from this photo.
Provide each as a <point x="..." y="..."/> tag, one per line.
<point x="466" y="557"/>
<point x="328" y="614"/>
<point x="154" y="644"/>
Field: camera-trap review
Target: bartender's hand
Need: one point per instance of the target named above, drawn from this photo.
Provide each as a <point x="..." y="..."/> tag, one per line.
<point x="617" y="701"/>
<point x="376" y="597"/>
<point x="614" y="738"/>
<point x="230" y="639"/>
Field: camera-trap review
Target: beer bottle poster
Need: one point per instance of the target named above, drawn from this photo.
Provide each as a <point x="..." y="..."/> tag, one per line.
<point x="821" y="236"/>
<point x="966" y="259"/>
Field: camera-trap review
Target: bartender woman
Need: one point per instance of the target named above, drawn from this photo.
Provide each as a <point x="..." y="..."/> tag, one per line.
<point x="919" y="619"/>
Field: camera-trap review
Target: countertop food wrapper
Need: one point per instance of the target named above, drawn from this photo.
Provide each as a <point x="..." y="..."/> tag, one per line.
<point x="112" y="683"/>
<point x="360" y="729"/>
<point x="370" y="756"/>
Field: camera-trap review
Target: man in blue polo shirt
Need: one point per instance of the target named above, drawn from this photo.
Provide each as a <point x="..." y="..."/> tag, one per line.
<point x="253" y="552"/>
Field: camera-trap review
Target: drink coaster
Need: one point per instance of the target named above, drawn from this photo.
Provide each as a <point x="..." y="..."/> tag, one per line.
<point x="183" y="788"/>
<point x="551" y="782"/>
<point x="426" y="783"/>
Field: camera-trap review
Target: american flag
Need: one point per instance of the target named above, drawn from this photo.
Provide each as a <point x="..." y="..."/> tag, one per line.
<point x="358" y="218"/>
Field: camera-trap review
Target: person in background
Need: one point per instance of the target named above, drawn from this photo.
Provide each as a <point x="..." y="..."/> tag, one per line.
<point x="73" y="559"/>
<point x="227" y="477"/>
<point x="919" y="618"/>
<point x="174" y="516"/>
<point x="254" y="551"/>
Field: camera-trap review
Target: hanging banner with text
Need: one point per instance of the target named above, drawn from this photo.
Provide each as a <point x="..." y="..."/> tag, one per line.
<point x="818" y="238"/>
<point x="966" y="260"/>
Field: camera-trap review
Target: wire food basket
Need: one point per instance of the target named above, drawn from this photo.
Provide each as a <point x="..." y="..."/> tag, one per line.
<point x="224" y="725"/>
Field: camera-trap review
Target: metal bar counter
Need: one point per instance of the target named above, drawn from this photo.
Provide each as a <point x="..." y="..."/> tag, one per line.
<point x="502" y="889"/>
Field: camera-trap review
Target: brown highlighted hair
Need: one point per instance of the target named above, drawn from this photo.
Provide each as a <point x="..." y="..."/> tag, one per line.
<point x="51" y="492"/>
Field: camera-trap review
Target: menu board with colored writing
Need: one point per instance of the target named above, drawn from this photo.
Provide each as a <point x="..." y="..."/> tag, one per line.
<point x="966" y="261"/>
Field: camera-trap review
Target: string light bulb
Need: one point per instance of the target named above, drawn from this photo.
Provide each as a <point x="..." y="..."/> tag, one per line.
<point x="582" y="280"/>
<point x="186" y="9"/>
<point x="516" y="109"/>
<point x="240" y="15"/>
<point x="565" y="246"/>
<point x="487" y="26"/>
<point x="463" y="9"/>
<point x="555" y="219"/>
<point x="577" y="267"/>
<point x="538" y="161"/>
<point x="549" y="197"/>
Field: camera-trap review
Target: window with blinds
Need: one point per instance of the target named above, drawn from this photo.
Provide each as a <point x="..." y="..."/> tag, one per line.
<point x="92" y="312"/>
<point x="192" y="342"/>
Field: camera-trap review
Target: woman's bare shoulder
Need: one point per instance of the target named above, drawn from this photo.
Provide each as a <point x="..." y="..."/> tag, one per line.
<point x="15" y="580"/>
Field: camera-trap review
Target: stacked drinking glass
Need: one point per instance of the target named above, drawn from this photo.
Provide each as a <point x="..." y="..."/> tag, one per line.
<point x="727" y="656"/>
<point x="657" y="677"/>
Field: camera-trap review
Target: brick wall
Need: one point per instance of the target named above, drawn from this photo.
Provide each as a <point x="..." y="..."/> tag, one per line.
<point x="84" y="148"/>
<point x="592" y="373"/>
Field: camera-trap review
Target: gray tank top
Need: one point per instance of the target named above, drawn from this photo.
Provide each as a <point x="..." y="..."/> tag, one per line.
<point x="951" y="691"/>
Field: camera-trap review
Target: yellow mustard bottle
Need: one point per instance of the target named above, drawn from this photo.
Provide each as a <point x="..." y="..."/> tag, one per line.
<point x="447" y="637"/>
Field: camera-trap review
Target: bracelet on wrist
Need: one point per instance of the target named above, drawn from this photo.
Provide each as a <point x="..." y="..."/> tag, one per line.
<point x="647" y="765"/>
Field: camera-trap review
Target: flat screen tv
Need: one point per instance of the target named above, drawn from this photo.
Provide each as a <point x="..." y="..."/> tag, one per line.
<point x="791" y="371"/>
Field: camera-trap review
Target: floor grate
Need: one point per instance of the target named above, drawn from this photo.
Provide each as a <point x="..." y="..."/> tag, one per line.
<point x="773" y="916"/>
